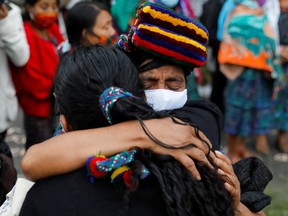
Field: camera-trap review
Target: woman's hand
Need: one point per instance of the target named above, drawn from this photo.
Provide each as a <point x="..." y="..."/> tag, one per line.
<point x="232" y="184"/>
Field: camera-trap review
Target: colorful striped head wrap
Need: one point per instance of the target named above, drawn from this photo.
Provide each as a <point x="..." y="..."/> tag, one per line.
<point x="168" y="35"/>
<point x="109" y="97"/>
<point x="165" y="33"/>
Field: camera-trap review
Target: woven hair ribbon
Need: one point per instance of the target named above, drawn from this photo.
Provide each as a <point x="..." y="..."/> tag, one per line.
<point x="109" y="97"/>
<point x="123" y="43"/>
<point x="99" y="168"/>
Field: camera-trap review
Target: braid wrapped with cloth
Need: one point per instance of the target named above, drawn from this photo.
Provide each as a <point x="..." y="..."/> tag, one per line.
<point x="99" y="166"/>
<point x="118" y="165"/>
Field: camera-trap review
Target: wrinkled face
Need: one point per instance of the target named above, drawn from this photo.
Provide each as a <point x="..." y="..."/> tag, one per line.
<point x="166" y="77"/>
<point x="103" y="28"/>
<point x="44" y="7"/>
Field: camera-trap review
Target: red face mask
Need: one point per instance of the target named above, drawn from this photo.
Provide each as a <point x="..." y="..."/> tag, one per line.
<point x="44" y="20"/>
<point x="106" y="41"/>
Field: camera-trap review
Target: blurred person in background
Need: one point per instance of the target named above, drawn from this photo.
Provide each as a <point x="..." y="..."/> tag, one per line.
<point x="281" y="90"/>
<point x="34" y="80"/>
<point x="251" y="74"/>
<point x="209" y="18"/>
<point x="88" y="23"/>
<point x="14" y="48"/>
<point x="180" y="6"/>
<point x="123" y="13"/>
<point x="197" y="6"/>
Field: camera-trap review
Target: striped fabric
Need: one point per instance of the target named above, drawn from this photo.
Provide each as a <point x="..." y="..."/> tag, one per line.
<point x="170" y="35"/>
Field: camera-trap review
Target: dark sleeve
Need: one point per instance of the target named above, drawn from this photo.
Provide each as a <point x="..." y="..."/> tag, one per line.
<point x="28" y="208"/>
<point x="253" y="176"/>
<point x="206" y="116"/>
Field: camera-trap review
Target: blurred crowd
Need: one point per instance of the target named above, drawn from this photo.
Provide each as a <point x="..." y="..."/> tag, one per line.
<point x="247" y="62"/>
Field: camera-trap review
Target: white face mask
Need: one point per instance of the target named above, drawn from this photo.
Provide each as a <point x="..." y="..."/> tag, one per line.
<point x="163" y="99"/>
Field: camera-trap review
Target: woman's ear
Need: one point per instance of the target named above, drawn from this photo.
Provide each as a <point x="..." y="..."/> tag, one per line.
<point x="84" y="33"/>
<point x="64" y="123"/>
<point x="84" y="37"/>
<point x="87" y="38"/>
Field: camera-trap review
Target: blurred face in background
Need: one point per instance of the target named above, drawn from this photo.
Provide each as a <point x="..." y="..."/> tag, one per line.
<point x="283" y="5"/>
<point x="103" y="31"/>
<point x="43" y="13"/>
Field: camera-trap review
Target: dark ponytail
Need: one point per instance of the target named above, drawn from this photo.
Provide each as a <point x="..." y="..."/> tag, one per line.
<point x="182" y="193"/>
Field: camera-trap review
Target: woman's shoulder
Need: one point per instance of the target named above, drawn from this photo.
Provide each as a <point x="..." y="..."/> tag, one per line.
<point x="201" y="107"/>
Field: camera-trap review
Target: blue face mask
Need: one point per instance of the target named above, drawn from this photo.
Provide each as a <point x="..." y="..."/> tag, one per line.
<point x="169" y="3"/>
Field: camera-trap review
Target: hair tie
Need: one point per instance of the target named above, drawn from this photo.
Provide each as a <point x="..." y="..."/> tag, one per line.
<point x="99" y="166"/>
<point x="109" y="97"/>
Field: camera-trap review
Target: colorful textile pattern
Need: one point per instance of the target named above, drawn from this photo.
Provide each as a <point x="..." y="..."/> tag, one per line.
<point x="249" y="41"/>
<point x="99" y="166"/>
<point x="166" y="34"/>
<point x="283" y="28"/>
<point x="165" y="18"/>
<point x="281" y="104"/>
<point x="123" y="44"/>
<point x="248" y="104"/>
<point x="109" y="97"/>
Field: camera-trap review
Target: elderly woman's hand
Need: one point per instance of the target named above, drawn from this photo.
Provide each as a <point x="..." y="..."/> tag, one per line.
<point x="232" y="184"/>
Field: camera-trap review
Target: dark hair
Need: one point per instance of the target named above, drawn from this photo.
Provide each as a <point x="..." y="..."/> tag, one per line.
<point x="182" y="193"/>
<point x="81" y="16"/>
<point x="82" y="77"/>
<point x="97" y="68"/>
<point x="32" y="3"/>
